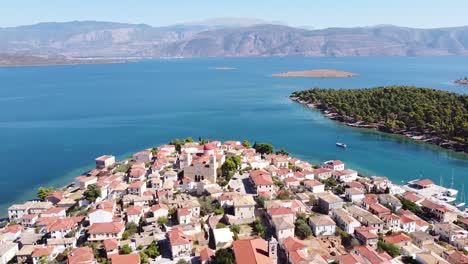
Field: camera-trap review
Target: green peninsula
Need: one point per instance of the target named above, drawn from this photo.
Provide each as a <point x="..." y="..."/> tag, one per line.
<point x="428" y="115"/>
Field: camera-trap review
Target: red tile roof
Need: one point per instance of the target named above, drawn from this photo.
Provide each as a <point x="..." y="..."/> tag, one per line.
<point x="183" y="212"/>
<point x="351" y="259"/>
<point x="367" y="232"/>
<point x="81" y="255"/>
<point x="157" y="207"/>
<point x="45" y="251"/>
<point x="354" y="185"/>
<point x="206" y="254"/>
<point x="177" y="237"/>
<point x="100" y="228"/>
<point x="111" y="244"/>
<point x="397" y="238"/>
<point x="379" y="209"/>
<point x="424" y="182"/>
<point x="312" y="183"/>
<point x="13" y="229"/>
<point x="53" y="210"/>
<point x="280" y="211"/>
<point x="371" y="255"/>
<point x="253" y="251"/>
<point x="134" y="210"/>
<point x="61" y="224"/>
<point x="291" y="179"/>
<point x="262" y="180"/>
<point x="125" y="259"/>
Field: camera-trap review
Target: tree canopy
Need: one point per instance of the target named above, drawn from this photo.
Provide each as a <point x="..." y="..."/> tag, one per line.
<point x="224" y="256"/>
<point x="424" y="110"/>
<point x="42" y="192"/>
<point x="92" y="193"/>
<point x="264" y="148"/>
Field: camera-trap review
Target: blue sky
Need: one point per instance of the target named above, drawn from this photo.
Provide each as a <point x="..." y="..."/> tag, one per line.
<point x="312" y="13"/>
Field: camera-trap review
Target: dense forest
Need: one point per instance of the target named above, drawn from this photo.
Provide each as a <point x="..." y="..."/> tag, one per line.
<point x="397" y="109"/>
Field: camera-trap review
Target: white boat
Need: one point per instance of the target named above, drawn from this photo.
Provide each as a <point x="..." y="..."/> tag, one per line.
<point x="446" y="198"/>
<point x="451" y="192"/>
<point x="460" y="204"/>
<point x="341" y="145"/>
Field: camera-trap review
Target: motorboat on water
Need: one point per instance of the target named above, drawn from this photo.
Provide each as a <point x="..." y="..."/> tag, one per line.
<point x="459" y="204"/>
<point x="341" y="145"/>
<point x="446" y="198"/>
<point x="451" y="192"/>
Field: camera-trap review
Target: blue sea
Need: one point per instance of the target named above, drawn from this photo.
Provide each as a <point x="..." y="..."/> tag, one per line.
<point x="55" y="120"/>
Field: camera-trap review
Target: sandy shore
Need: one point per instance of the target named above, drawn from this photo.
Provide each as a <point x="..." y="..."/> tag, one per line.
<point x="317" y="74"/>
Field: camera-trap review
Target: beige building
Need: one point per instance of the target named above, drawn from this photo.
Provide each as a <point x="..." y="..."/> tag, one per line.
<point x="244" y="207"/>
<point x="7" y="252"/>
<point x="181" y="246"/>
<point x="203" y="167"/>
<point x="102" y="231"/>
<point x="105" y="161"/>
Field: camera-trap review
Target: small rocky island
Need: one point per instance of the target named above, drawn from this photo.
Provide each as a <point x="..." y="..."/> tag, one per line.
<point x="422" y="114"/>
<point x="324" y="73"/>
<point x="462" y="81"/>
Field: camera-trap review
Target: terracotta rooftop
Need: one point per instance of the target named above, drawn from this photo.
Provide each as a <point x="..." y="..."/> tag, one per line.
<point x="81" y="255"/>
<point x="111" y="244"/>
<point x="125" y="259"/>
<point x="99" y="228"/>
<point x="397" y="238"/>
<point x="253" y="251"/>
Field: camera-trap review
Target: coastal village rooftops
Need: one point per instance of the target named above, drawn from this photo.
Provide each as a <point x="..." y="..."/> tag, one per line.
<point x="294" y="249"/>
<point x="367" y="232"/>
<point x="206" y="254"/>
<point x="136" y="185"/>
<point x="110" y="244"/>
<point x="12" y="229"/>
<point x="81" y="255"/>
<point x="104" y="157"/>
<point x="255" y="173"/>
<point x="334" y="162"/>
<point x="61" y="224"/>
<point x="42" y="251"/>
<point x="425" y="183"/>
<point x="252" y="251"/>
<point x="397" y="238"/>
<point x="354" y="184"/>
<point x="372" y="256"/>
<point x="413" y="197"/>
<point x="125" y="259"/>
<point x="330" y="198"/>
<point x="158" y="207"/>
<point x="134" y="210"/>
<point x="321" y="220"/>
<point x="312" y="183"/>
<point x="177" y="237"/>
<point x="264" y="179"/>
<point x="245" y="200"/>
<point x="344" y="216"/>
<point x="379" y="209"/>
<point x="351" y="259"/>
<point x="280" y="211"/>
<point x="102" y="228"/>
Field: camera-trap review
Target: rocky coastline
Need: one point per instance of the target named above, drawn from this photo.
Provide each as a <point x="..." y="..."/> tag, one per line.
<point x="411" y="134"/>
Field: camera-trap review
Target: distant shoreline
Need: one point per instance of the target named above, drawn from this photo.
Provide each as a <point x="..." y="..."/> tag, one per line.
<point x="13" y="60"/>
<point x="321" y="73"/>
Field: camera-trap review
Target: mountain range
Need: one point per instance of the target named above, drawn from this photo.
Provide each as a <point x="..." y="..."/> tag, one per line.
<point x="220" y="39"/>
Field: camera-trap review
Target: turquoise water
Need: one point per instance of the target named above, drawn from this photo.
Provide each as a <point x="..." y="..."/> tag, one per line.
<point x="55" y="120"/>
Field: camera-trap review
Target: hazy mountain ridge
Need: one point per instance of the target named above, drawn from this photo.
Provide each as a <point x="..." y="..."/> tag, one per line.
<point x="107" y="39"/>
